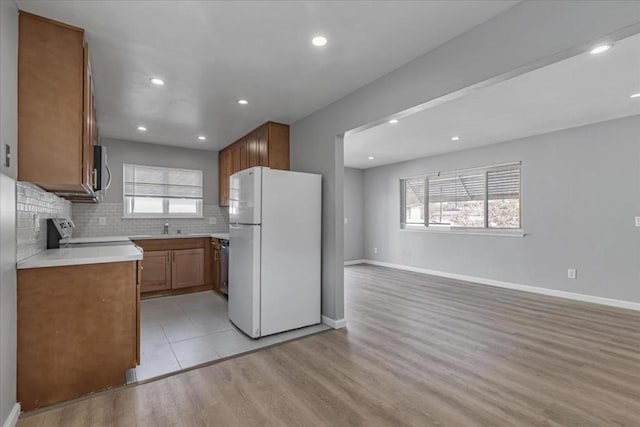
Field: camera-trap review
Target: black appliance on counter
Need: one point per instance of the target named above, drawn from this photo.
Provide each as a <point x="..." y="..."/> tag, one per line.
<point x="58" y="229"/>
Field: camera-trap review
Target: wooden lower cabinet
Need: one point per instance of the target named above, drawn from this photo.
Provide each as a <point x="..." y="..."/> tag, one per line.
<point x="187" y="268"/>
<point x="176" y="266"/>
<point x="156" y="271"/>
<point x="77" y="330"/>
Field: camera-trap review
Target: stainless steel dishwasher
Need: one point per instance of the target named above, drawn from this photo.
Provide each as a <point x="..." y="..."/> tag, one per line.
<point x="224" y="267"/>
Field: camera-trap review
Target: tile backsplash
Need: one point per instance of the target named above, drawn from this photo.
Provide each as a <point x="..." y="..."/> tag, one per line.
<point x="87" y="220"/>
<point x="33" y="207"/>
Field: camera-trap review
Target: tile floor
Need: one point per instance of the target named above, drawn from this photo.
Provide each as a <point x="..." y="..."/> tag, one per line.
<point x="181" y="331"/>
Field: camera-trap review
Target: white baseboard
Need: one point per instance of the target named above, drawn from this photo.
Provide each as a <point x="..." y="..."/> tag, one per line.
<point x="355" y="261"/>
<point x="335" y="324"/>
<point x="12" y="419"/>
<point x="526" y="288"/>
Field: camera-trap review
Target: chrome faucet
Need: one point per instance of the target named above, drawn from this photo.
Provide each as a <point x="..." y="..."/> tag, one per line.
<point x="166" y="227"/>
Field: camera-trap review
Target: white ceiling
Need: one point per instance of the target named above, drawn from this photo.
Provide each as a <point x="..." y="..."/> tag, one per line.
<point x="213" y="53"/>
<point x="577" y="91"/>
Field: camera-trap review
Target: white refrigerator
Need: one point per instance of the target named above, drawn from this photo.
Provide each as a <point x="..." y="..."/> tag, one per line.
<point x="274" y="250"/>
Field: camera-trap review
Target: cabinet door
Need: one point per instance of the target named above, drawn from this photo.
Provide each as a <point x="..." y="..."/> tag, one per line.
<point x="252" y="149"/>
<point x="235" y="159"/>
<point x="262" y="142"/>
<point x="278" y="146"/>
<point x="244" y="154"/>
<point x="51" y="97"/>
<point x="187" y="268"/>
<point x="155" y="271"/>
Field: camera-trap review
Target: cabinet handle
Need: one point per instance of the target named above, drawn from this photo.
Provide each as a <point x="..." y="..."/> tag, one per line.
<point x="141" y="268"/>
<point x="94" y="177"/>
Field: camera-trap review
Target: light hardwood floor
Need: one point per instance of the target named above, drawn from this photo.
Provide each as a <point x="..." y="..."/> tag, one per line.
<point x="420" y="351"/>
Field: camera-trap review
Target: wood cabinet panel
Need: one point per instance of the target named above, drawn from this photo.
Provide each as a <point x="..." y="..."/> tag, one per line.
<point x="76" y="326"/>
<point x="187" y="268"/>
<point x="54" y="105"/>
<point x="50" y="102"/>
<point x="155" y="271"/>
<point x="244" y="154"/>
<point x="262" y="140"/>
<point x="252" y="149"/>
<point x="278" y="146"/>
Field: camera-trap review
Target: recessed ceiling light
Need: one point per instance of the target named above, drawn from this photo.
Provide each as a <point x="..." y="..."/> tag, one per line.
<point x="371" y="157"/>
<point x="319" y="41"/>
<point x="157" y="81"/>
<point x="455" y="138"/>
<point x="142" y="128"/>
<point x="635" y="95"/>
<point x="202" y="138"/>
<point x="393" y="121"/>
<point x="243" y="101"/>
<point x="601" y="48"/>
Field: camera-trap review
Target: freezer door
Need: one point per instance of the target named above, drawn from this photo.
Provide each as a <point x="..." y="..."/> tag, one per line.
<point x="244" y="278"/>
<point x="245" y="196"/>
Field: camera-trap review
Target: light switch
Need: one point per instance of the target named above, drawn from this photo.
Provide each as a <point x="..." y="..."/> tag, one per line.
<point x="638" y="221"/>
<point x="213" y="220"/>
<point x="345" y="221"/>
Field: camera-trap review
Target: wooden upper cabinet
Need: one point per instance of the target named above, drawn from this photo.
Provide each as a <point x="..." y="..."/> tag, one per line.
<point x="266" y="146"/>
<point x="252" y="149"/>
<point x="244" y="154"/>
<point x="278" y="146"/>
<point x="54" y="111"/>
<point x="262" y="139"/>
<point x="187" y="268"/>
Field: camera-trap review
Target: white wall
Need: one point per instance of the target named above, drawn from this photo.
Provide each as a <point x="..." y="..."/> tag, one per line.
<point x="119" y="152"/>
<point x="508" y="44"/>
<point x="8" y="135"/>
<point x="353" y="214"/>
<point x="580" y="194"/>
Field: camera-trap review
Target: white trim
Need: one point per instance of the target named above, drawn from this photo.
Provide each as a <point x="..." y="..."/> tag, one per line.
<point x="355" y="261"/>
<point x="12" y="419"/>
<point x="492" y="232"/>
<point x="508" y="285"/>
<point x="335" y="324"/>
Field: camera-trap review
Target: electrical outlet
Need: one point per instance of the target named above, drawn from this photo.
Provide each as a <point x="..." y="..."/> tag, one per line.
<point x="638" y="221"/>
<point x="213" y="220"/>
<point x="375" y="250"/>
<point x="572" y="273"/>
<point x="102" y="220"/>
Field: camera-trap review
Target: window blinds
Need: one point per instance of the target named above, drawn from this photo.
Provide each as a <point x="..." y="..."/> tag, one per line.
<point x="504" y="184"/>
<point x="169" y="183"/>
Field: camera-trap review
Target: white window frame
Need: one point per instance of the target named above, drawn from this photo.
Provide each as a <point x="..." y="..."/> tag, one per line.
<point x="165" y="200"/>
<point x="449" y="229"/>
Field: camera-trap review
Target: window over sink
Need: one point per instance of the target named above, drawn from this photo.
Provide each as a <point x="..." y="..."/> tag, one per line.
<point x="161" y="192"/>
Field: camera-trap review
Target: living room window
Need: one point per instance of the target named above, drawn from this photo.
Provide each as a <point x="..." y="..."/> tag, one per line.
<point x="479" y="198"/>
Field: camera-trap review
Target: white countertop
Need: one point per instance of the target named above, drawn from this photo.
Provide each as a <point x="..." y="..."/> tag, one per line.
<point x="105" y="239"/>
<point x="82" y="255"/>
